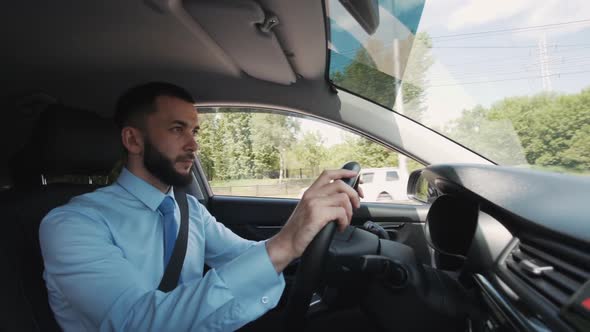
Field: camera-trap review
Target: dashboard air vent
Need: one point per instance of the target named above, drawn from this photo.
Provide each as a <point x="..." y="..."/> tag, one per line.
<point x="553" y="270"/>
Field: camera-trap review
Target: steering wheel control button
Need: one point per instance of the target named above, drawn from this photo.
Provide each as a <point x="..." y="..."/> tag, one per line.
<point x="264" y="299"/>
<point x="373" y="264"/>
<point x="398" y="276"/>
<point x="394" y="274"/>
<point x="376" y="229"/>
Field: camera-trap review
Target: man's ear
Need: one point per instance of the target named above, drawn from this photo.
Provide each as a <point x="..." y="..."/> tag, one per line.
<point x="132" y="139"/>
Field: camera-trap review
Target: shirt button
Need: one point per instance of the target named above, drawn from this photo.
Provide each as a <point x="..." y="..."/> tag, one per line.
<point x="264" y="299"/>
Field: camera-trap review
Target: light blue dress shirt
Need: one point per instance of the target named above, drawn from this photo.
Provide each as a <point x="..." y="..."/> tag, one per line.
<point x="104" y="259"/>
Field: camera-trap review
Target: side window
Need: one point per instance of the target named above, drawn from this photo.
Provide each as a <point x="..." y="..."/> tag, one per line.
<point x="261" y="153"/>
<point x="367" y="178"/>
<point x="391" y="176"/>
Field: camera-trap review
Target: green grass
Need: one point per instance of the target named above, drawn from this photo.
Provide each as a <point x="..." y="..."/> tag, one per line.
<point x="261" y="187"/>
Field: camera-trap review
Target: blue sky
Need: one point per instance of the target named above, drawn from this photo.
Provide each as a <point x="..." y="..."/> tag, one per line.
<point x="475" y="65"/>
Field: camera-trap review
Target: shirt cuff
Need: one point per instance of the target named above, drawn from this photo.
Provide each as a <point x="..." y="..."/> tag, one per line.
<point x="252" y="279"/>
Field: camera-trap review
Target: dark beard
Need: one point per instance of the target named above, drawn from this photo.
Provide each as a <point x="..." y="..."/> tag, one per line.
<point x="162" y="167"/>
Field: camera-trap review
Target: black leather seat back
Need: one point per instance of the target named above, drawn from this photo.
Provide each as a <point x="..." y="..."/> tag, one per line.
<point x="29" y="208"/>
<point x="16" y="313"/>
<point x="67" y="144"/>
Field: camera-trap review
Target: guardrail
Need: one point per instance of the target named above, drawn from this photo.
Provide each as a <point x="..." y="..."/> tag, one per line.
<point x="283" y="189"/>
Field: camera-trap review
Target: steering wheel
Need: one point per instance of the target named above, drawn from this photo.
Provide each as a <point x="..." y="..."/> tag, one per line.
<point x="311" y="266"/>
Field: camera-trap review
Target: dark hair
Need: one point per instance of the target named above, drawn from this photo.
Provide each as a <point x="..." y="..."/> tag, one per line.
<point x="138" y="102"/>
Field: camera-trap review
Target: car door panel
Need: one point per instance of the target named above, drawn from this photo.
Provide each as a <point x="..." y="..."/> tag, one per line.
<point x="258" y="218"/>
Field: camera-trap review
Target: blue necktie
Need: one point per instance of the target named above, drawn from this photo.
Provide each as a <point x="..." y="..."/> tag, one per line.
<point x="170" y="228"/>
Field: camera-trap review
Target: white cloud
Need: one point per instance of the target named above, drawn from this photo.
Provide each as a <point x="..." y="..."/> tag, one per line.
<point x="522" y="13"/>
<point x="480" y="12"/>
<point x="435" y="13"/>
<point x="556" y="11"/>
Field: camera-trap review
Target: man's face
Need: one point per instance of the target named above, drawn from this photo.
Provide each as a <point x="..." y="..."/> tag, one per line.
<point x="170" y="140"/>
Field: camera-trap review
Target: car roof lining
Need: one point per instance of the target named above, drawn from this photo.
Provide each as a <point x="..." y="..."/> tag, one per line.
<point x="86" y="54"/>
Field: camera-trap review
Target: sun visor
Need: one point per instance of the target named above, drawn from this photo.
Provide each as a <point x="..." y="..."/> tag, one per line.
<point x="245" y="32"/>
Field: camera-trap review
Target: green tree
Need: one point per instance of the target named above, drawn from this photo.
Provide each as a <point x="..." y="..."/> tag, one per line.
<point x="477" y="132"/>
<point x="362" y="77"/>
<point x="237" y="144"/>
<point x="310" y="151"/>
<point x="547" y="130"/>
<point x="577" y="155"/>
<point x="374" y="78"/>
<point x="208" y="144"/>
<point x="242" y="143"/>
<point x="226" y="145"/>
<point x="369" y="154"/>
<point x="414" y="79"/>
<point x="272" y="136"/>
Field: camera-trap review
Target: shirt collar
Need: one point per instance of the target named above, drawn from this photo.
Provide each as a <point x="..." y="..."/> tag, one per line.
<point x="143" y="191"/>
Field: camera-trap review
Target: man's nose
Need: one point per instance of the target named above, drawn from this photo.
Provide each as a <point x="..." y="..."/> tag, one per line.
<point x="192" y="145"/>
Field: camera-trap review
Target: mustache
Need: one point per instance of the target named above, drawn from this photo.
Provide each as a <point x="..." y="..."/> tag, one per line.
<point x="187" y="157"/>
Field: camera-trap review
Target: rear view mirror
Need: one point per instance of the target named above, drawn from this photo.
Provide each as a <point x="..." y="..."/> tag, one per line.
<point x="420" y="189"/>
<point x="365" y="12"/>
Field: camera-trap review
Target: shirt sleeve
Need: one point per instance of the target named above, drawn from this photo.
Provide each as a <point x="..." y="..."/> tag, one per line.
<point x="109" y="293"/>
<point x="221" y="244"/>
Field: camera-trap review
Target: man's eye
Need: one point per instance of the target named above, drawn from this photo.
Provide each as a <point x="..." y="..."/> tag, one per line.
<point x="177" y="129"/>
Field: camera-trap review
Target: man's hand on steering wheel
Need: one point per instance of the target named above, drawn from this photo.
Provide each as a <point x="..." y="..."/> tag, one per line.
<point x="327" y="199"/>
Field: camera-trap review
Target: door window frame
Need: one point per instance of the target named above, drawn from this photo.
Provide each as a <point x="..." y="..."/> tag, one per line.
<point x="204" y="183"/>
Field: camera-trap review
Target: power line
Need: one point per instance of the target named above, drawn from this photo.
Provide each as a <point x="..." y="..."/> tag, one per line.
<point x="496" y="73"/>
<point x="489" y="68"/>
<point x="522" y="29"/>
<point x="496" y="35"/>
<point x="511" y="29"/>
<point x="495" y="69"/>
<point x="499" y="60"/>
<point x="558" y="63"/>
<point x="578" y="46"/>
<point x="507" y="79"/>
<point x="487" y="78"/>
<point x="566" y="47"/>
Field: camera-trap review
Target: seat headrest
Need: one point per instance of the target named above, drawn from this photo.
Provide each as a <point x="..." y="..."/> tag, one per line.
<point x="71" y="141"/>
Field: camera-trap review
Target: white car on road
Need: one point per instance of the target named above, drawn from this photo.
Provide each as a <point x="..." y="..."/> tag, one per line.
<point x="384" y="184"/>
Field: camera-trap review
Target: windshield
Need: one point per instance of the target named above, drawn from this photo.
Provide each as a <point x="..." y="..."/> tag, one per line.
<point x="510" y="80"/>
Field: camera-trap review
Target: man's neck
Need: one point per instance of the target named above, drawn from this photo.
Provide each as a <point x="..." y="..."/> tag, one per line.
<point x="141" y="172"/>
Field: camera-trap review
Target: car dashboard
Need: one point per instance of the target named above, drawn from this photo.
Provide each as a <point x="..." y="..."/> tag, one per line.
<point x="525" y="237"/>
